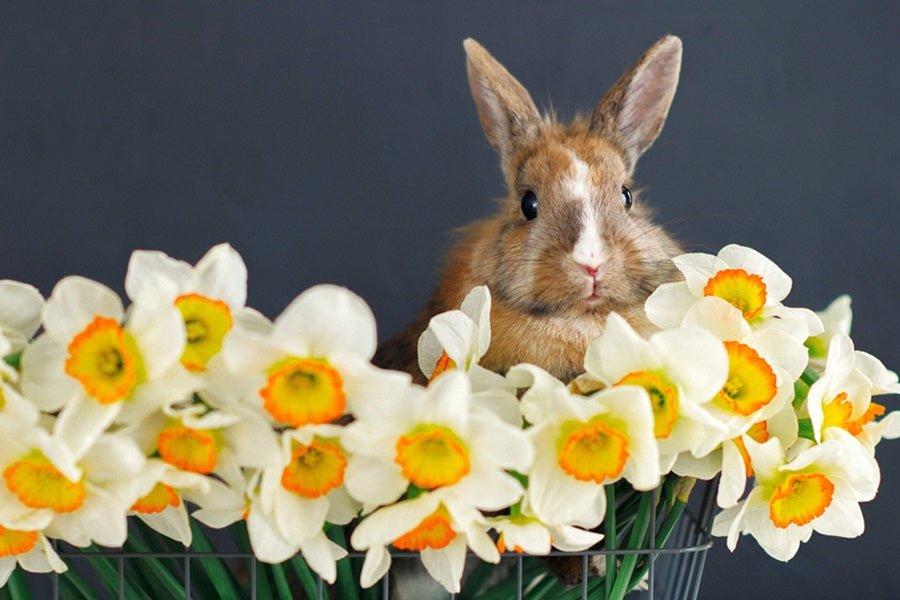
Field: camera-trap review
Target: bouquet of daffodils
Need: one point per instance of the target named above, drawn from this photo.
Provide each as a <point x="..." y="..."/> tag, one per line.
<point x="189" y="398"/>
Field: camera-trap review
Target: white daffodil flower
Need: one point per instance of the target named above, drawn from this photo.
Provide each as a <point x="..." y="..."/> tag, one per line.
<point x="305" y="488"/>
<point x="681" y="370"/>
<point x="433" y="524"/>
<point x="836" y="320"/>
<point x="457" y="339"/>
<point x="30" y="550"/>
<point x="842" y="397"/>
<point x="99" y="367"/>
<point x="210" y="296"/>
<point x="239" y="499"/>
<point x="20" y="314"/>
<point x="524" y="532"/>
<point x="762" y="368"/>
<point x="313" y="366"/>
<point x="747" y="280"/>
<point x="818" y="490"/>
<point x="159" y="503"/>
<point x="71" y="496"/>
<point x="435" y="437"/>
<point x="731" y="458"/>
<point x="583" y="443"/>
<point x="195" y="438"/>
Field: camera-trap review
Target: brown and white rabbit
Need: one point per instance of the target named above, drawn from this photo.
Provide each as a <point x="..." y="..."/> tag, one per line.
<point x="571" y="240"/>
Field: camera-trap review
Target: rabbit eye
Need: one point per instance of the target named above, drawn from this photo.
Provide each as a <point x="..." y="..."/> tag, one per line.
<point x="626" y="197"/>
<point x="529" y="205"/>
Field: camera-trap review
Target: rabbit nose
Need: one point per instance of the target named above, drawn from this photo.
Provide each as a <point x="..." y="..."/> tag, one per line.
<point x="591" y="269"/>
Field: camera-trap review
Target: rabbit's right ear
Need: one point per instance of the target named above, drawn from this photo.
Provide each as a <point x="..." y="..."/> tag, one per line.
<point x="633" y="112"/>
<point x="508" y="115"/>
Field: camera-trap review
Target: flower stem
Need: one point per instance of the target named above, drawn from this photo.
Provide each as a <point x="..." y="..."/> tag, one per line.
<point x="635" y="541"/>
<point x="610" y="537"/>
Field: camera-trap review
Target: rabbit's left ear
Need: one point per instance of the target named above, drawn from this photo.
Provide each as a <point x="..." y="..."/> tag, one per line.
<point x="633" y="111"/>
<point x="508" y="115"/>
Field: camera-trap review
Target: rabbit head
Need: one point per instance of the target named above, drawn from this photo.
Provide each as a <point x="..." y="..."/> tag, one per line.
<point x="572" y="237"/>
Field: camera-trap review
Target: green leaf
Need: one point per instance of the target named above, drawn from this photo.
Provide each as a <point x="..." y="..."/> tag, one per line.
<point x="801" y="390"/>
<point x="307" y="579"/>
<point x="79" y="587"/>
<point x="219" y="574"/>
<point x="18" y="586"/>
<point x="609" y="529"/>
<point x="346" y="582"/>
<point x="163" y="581"/>
<point x="635" y="541"/>
<point x="108" y="570"/>
<point x="281" y="584"/>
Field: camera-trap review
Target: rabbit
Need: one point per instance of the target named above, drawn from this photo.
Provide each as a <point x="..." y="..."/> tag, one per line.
<point x="571" y="240"/>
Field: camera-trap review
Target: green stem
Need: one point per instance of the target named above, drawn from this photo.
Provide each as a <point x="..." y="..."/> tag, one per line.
<point x="801" y="390"/>
<point x="635" y="541"/>
<point x="347" y="586"/>
<point x="662" y="536"/>
<point x="809" y="376"/>
<point x="18" y="587"/>
<point x="307" y="579"/>
<point x="281" y="583"/>
<point x="219" y="574"/>
<point x="805" y="429"/>
<point x="610" y="537"/>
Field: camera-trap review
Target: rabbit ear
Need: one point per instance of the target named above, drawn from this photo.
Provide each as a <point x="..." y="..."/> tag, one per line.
<point x="508" y="114"/>
<point x="632" y="113"/>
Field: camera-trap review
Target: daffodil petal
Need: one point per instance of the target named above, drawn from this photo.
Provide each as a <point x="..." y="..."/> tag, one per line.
<point x="74" y="303"/>
<point x="222" y="274"/>
<point x="171" y="522"/>
<point x="446" y="565"/>
<point x="20" y="311"/>
<point x="668" y="304"/>
<point x="328" y="319"/>
<point x="44" y="381"/>
<point x="375" y="566"/>
<point x="82" y="421"/>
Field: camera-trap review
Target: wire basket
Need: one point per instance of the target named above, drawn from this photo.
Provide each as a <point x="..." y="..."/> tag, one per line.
<point x="671" y="572"/>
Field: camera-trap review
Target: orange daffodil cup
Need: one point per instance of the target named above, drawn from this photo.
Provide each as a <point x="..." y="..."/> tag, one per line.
<point x="189" y="404"/>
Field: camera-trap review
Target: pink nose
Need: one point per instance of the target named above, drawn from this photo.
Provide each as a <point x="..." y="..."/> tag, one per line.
<point x="591" y="270"/>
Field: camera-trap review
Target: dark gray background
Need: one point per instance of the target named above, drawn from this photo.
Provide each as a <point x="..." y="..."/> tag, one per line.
<point x="339" y="144"/>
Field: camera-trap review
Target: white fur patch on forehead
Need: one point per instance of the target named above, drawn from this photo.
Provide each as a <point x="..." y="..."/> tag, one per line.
<point x="589" y="250"/>
<point x="577" y="185"/>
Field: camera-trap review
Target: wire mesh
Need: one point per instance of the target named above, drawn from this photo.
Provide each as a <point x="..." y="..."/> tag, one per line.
<point x="673" y="572"/>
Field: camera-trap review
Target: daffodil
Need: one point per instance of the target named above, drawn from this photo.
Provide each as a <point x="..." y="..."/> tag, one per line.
<point x="30" y="550"/>
<point x="239" y="499"/>
<point x="71" y="496"/>
<point x="193" y="437"/>
<point x="435" y="437"/>
<point x="457" y="339"/>
<point x="836" y="320"/>
<point x="305" y="487"/>
<point x="99" y="367"/>
<point x="159" y="501"/>
<point x="524" y="532"/>
<point x="742" y="277"/>
<point x="681" y="370"/>
<point x="583" y="443"/>
<point x="434" y="525"/>
<point x="208" y="296"/>
<point x="842" y="397"/>
<point x="819" y="490"/>
<point x="731" y="459"/>
<point x="762" y="368"/>
<point x="313" y="366"/>
<point x="20" y="314"/>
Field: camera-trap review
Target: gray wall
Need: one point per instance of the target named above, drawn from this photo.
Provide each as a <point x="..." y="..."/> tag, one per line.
<point x="339" y="144"/>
